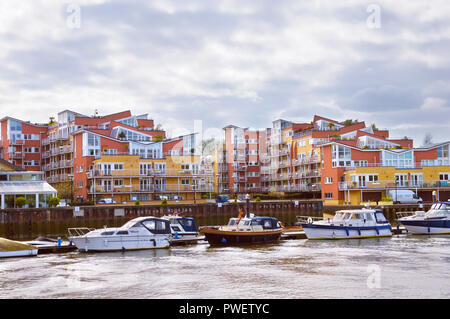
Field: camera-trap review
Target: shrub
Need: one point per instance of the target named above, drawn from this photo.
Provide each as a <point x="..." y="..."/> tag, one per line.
<point x="257" y="199"/>
<point x="53" y="201"/>
<point x="386" y="199"/>
<point x="20" y="202"/>
<point x="164" y="201"/>
<point x="137" y="203"/>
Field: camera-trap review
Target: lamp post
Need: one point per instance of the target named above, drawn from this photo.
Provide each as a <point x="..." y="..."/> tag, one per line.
<point x="194" y="186"/>
<point x="247" y="198"/>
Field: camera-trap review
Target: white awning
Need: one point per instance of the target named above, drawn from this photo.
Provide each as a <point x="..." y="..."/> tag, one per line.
<point x="26" y="187"/>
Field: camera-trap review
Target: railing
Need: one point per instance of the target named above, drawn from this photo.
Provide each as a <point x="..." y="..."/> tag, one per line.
<point x="293" y="188"/>
<point x="136" y="188"/>
<point x="416" y="165"/>
<point x="383" y="184"/>
<point x="307" y="160"/>
<point x="149" y="173"/>
<point x="18" y="155"/>
<point x="59" y="178"/>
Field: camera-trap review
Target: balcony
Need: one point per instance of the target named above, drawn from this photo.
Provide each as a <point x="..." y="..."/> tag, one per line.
<point x="307" y="160"/>
<point x="17" y="155"/>
<point x="392" y="184"/>
<point x="136" y="188"/>
<point x="17" y="142"/>
<point x="60" y="178"/>
<point x="134" y="173"/>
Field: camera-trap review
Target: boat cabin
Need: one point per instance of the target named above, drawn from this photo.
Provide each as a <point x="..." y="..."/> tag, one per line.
<point x="365" y="215"/>
<point x="152" y="224"/>
<point x="264" y="222"/>
<point x="438" y="210"/>
<point x="179" y="224"/>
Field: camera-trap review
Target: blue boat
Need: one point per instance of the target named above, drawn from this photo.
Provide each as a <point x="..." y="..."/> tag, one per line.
<point x="349" y="224"/>
<point x="436" y="221"/>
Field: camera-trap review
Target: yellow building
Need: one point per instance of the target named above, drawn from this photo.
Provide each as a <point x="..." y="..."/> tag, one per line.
<point x="363" y="184"/>
<point x="129" y="178"/>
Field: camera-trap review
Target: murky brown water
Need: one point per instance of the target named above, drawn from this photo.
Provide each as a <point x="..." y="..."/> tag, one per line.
<point x="397" y="267"/>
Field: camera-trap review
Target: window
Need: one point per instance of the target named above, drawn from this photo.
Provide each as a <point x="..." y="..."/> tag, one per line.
<point x="150" y="224"/>
<point x="118" y="166"/>
<point x="341" y="156"/>
<point x="444" y="176"/>
<point x="118" y="182"/>
<point x="328" y="195"/>
<point x="328" y="180"/>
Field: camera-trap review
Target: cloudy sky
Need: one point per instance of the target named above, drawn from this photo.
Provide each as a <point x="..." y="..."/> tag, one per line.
<point x="231" y="62"/>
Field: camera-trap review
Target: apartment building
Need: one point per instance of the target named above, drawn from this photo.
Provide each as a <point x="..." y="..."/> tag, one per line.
<point x="133" y="177"/>
<point x="239" y="160"/>
<point x="20" y="143"/>
<point x="68" y="150"/>
<point x="368" y="167"/>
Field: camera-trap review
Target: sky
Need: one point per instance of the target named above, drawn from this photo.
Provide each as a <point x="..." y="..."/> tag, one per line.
<point x="244" y="63"/>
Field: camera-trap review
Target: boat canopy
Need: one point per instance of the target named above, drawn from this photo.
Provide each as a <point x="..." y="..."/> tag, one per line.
<point x="363" y="214"/>
<point x="187" y="223"/>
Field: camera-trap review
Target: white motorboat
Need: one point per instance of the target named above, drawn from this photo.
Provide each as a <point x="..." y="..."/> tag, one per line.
<point x="11" y="248"/>
<point x="347" y="224"/>
<point x="436" y="221"/>
<point x="139" y="233"/>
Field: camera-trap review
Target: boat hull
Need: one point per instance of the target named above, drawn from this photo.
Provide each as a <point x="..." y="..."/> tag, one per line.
<point x="119" y="243"/>
<point x="216" y="237"/>
<point x="427" y="227"/>
<point x="19" y="253"/>
<point x="316" y="232"/>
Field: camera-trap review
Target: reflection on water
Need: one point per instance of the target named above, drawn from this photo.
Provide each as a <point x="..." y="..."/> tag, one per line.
<point x="410" y="267"/>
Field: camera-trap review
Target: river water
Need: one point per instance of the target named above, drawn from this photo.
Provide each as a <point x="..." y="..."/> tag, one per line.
<point x="398" y="267"/>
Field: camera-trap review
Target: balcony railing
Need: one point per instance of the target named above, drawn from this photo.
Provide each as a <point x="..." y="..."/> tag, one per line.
<point x="136" y="188"/>
<point x="293" y="188"/>
<point x="392" y="184"/>
<point x="150" y="173"/>
<point x="59" y="178"/>
<point x="17" y="155"/>
<point x="307" y="160"/>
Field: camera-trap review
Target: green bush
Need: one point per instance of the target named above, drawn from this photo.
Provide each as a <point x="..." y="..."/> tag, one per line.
<point x="257" y="199"/>
<point x="386" y="199"/>
<point x="137" y="203"/>
<point x="53" y="201"/>
<point x="164" y="201"/>
<point x="20" y="202"/>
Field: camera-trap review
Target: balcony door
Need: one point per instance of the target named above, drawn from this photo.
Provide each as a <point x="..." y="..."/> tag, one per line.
<point x="401" y="180"/>
<point x="107" y="169"/>
<point x="362" y="180"/>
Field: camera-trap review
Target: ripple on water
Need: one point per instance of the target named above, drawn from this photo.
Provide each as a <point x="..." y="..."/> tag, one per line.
<point x="410" y="266"/>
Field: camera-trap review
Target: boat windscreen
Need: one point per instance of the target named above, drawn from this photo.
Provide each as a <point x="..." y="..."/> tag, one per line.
<point x="188" y="224"/>
<point x="380" y="217"/>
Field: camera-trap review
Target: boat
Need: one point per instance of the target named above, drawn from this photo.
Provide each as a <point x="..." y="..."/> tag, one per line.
<point x="435" y="221"/>
<point x="249" y="229"/>
<point x="347" y="224"/>
<point x="139" y="233"/>
<point x="182" y="227"/>
<point x="12" y="248"/>
<point x="47" y="245"/>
